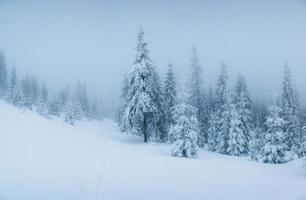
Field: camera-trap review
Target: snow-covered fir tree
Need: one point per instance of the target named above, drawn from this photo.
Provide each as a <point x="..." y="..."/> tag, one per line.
<point x="224" y="119"/>
<point x="238" y="142"/>
<point x="160" y="133"/>
<point x="209" y="109"/>
<point x="73" y="110"/>
<point x="3" y="76"/>
<point x="141" y="109"/>
<point x="196" y="94"/>
<point x="274" y="149"/>
<point x="169" y="98"/>
<point x="290" y="112"/>
<point x="219" y="124"/>
<point x="184" y="131"/>
<point x="243" y="105"/>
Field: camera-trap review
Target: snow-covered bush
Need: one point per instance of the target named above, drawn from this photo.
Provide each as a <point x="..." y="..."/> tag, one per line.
<point x="184" y="132"/>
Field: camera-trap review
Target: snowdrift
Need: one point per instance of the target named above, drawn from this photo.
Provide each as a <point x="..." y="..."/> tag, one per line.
<point x="49" y="159"/>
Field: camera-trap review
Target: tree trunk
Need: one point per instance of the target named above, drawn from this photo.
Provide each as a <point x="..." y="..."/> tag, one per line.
<point x="145" y="131"/>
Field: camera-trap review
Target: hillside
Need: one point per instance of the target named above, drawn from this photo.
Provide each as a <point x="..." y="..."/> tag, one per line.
<point x="49" y="159"/>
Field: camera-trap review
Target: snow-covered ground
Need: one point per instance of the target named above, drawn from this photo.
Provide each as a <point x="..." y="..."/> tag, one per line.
<point x="44" y="159"/>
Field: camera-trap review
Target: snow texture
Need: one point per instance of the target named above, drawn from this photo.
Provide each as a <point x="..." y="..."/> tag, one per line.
<point x="49" y="159"/>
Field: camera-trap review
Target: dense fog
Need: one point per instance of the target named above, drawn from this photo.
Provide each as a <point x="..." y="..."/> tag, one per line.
<point x="93" y="41"/>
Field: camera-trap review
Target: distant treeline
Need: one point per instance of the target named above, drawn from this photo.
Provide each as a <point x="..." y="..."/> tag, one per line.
<point x="28" y="93"/>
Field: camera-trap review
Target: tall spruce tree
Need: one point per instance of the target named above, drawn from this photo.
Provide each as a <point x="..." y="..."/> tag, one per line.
<point x="290" y="112"/>
<point x="211" y="126"/>
<point x="209" y="108"/>
<point x="219" y="124"/>
<point x="141" y="111"/>
<point x="169" y="98"/>
<point x="196" y="94"/>
<point x="243" y="105"/>
<point x="160" y="133"/>
<point x="224" y="125"/>
<point x="274" y="149"/>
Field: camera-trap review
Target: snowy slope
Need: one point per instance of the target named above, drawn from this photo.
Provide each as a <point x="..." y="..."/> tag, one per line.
<point x="48" y="159"/>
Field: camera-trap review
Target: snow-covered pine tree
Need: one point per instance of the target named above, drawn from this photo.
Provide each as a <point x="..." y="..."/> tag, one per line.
<point x="274" y="149"/>
<point x="3" y="76"/>
<point x="224" y="125"/>
<point x="238" y="142"/>
<point x="169" y="98"/>
<point x="141" y="111"/>
<point x="219" y="124"/>
<point x="209" y="109"/>
<point x="73" y="110"/>
<point x="160" y="133"/>
<point x="243" y="105"/>
<point x="196" y="94"/>
<point x="184" y="131"/>
<point x="290" y="112"/>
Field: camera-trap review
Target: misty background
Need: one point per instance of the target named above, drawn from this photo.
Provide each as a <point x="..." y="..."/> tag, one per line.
<point x="93" y="41"/>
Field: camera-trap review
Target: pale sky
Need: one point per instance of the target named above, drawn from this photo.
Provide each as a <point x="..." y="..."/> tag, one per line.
<point x="63" y="41"/>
